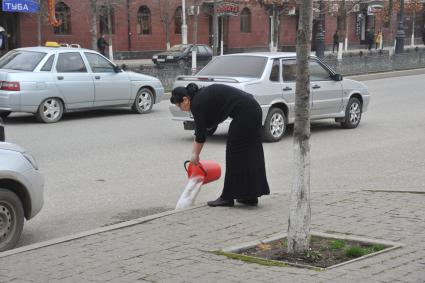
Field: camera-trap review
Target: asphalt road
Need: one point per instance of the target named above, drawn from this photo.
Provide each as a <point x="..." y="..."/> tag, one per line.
<point x="103" y="167"/>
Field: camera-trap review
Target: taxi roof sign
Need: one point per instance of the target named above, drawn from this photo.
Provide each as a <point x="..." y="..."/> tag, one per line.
<point x="52" y="44"/>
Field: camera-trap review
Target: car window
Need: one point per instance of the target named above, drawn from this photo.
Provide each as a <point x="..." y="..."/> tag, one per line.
<point x="98" y="64"/>
<point x="289" y="70"/>
<point x="209" y="50"/>
<point x="70" y="62"/>
<point x="178" y="47"/>
<point x="235" y="66"/>
<point x="318" y="73"/>
<point x="47" y="67"/>
<point x="200" y="50"/>
<point x="21" y="60"/>
<point x="274" y="74"/>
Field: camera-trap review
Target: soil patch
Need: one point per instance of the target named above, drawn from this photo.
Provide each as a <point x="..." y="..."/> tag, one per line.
<point x="324" y="252"/>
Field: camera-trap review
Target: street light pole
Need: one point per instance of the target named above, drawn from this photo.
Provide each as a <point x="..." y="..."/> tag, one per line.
<point x="320" y="36"/>
<point x="399" y="46"/>
<point x="184" y="26"/>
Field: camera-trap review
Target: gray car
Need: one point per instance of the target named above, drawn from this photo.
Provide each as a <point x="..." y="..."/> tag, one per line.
<point x="21" y="192"/>
<point x="270" y="77"/>
<point x="49" y="81"/>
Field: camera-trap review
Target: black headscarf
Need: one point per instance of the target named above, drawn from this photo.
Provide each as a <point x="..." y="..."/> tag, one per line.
<point x="179" y="92"/>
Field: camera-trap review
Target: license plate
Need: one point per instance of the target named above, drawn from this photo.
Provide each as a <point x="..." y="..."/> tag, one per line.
<point x="161" y="60"/>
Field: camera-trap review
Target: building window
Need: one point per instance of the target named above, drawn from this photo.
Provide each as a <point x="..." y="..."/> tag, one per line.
<point x="103" y="20"/>
<point x="144" y="20"/>
<point x="178" y="21"/>
<point x="63" y="13"/>
<point x="245" y="20"/>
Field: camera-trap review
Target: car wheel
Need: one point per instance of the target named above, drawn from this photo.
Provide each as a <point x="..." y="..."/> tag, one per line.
<point x="353" y="114"/>
<point x="11" y="219"/>
<point x="143" y="102"/>
<point x="211" y="131"/>
<point x="275" y="125"/>
<point x="4" y="114"/>
<point x="50" y="110"/>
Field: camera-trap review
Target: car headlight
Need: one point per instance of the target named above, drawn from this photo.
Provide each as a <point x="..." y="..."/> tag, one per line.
<point x="155" y="57"/>
<point x="170" y="57"/>
<point x="31" y="160"/>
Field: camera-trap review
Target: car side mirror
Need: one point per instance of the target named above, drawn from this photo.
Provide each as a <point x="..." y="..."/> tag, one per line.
<point x="337" y="77"/>
<point x="124" y="67"/>
<point x="117" y="69"/>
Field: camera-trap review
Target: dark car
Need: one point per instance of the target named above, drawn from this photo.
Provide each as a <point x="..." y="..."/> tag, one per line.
<point x="182" y="54"/>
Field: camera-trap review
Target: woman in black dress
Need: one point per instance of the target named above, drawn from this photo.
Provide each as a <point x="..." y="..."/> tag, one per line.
<point x="245" y="179"/>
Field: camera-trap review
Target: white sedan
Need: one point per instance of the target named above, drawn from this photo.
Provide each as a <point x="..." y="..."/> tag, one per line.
<point x="21" y="192"/>
<point x="270" y="78"/>
<point x="50" y="81"/>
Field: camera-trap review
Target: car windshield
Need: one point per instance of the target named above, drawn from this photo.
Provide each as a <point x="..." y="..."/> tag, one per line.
<point x="21" y="60"/>
<point x="179" y="47"/>
<point x="235" y="66"/>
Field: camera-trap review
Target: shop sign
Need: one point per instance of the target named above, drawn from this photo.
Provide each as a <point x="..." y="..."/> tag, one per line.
<point x="228" y="8"/>
<point x="374" y="9"/>
<point x="22" y="6"/>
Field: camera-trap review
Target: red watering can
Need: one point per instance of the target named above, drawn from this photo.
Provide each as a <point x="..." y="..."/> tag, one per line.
<point x="208" y="170"/>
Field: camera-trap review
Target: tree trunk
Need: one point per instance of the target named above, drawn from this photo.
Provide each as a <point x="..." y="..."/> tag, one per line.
<point x="167" y="31"/>
<point x="299" y="207"/>
<point x="39" y="22"/>
<point x="93" y="24"/>
<point x="276" y="19"/>
<point x="110" y="53"/>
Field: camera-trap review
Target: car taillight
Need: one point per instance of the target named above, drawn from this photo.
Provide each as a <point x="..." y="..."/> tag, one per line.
<point x="10" y="86"/>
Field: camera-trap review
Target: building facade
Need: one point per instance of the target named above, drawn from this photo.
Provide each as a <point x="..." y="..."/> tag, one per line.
<point x="139" y="28"/>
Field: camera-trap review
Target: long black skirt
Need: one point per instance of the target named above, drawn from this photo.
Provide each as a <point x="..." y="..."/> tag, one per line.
<point x="245" y="176"/>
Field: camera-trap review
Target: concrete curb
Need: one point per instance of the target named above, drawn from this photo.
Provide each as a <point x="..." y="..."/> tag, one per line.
<point x="99" y="230"/>
<point x="383" y="75"/>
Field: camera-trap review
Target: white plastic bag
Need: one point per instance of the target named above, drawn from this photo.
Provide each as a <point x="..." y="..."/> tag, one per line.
<point x="190" y="193"/>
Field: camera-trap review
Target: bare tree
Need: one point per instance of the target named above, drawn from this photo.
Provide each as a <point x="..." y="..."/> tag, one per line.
<point x="343" y="9"/>
<point x="93" y="23"/>
<point x="274" y="8"/>
<point x="166" y="12"/>
<point x="299" y="207"/>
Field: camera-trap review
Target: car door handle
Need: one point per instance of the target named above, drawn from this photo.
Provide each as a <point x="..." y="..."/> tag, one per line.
<point x="97" y="77"/>
<point x="287" y="88"/>
<point x="60" y="78"/>
<point x="315" y="86"/>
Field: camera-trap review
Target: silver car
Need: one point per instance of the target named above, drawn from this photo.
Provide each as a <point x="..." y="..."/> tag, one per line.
<point x="21" y="192"/>
<point x="270" y="77"/>
<point x="49" y="81"/>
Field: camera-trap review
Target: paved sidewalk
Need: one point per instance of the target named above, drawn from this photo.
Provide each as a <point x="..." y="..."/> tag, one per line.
<point x="174" y="247"/>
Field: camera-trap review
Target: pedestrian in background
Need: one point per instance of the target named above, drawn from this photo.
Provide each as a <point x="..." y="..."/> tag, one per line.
<point x="370" y="39"/>
<point x="3" y="38"/>
<point x="335" y="41"/>
<point x="423" y="35"/>
<point x="101" y="44"/>
<point x="245" y="178"/>
<point x="378" y="40"/>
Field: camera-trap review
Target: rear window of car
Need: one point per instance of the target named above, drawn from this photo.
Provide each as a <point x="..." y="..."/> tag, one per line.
<point x="235" y="66"/>
<point x="21" y="60"/>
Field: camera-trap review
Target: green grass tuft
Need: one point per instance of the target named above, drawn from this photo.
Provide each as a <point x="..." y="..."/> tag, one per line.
<point x="337" y="244"/>
<point x="355" y="251"/>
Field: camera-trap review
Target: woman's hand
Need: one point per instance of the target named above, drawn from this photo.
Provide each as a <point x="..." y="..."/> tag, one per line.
<point x="196" y="151"/>
<point x="194" y="159"/>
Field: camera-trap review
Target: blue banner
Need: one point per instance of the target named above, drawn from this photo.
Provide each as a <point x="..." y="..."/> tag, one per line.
<point x="22" y="6"/>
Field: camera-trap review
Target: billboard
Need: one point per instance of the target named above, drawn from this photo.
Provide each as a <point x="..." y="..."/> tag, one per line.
<point x="22" y="6"/>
